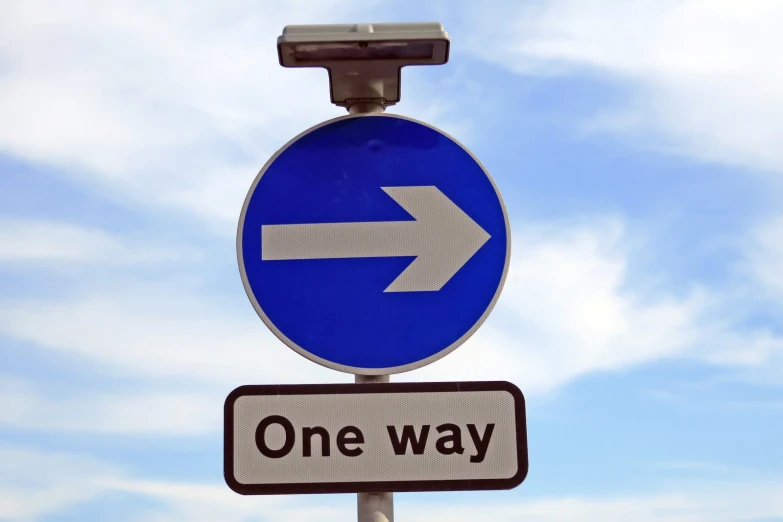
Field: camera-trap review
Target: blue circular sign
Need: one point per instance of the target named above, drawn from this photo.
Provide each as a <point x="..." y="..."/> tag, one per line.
<point x="373" y="244"/>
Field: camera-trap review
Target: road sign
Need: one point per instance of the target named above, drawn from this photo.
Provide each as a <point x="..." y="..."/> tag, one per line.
<point x="373" y="244"/>
<point x="343" y="438"/>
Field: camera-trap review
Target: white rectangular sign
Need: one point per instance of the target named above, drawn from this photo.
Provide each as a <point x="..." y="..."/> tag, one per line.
<point x="340" y="438"/>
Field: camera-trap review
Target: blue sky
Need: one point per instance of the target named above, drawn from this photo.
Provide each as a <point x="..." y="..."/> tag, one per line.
<point x="636" y="145"/>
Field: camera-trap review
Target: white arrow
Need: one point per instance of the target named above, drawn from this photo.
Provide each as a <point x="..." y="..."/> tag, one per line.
<point x="443" y="238"/>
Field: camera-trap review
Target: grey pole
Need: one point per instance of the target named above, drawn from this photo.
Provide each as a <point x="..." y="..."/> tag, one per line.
<point x="374" y="507"/>
<point x="364" y="107"/>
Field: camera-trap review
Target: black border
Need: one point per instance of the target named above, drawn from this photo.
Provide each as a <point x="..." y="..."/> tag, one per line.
<point x="370" y="487"/>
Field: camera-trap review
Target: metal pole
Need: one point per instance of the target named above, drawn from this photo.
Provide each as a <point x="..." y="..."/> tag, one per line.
<point x="365" y="107"/>
<point x="374" y="507"/>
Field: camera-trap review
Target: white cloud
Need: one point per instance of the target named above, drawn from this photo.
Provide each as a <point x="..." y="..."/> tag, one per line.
<point x="174" y="103"/>
<point x="704" y="75"/>
<point x="23" y="241"/>
<point x="151" y="332"/>
<point x="27" y="493"/>
<point x="751" y="351"/>
<point x="565" y="312"/>
<point x="35" y="483"/>
<point x="764" y="253"/>
<point x="713" y="503"/>
<point x="132" y="413"/>
<point x="167" y="103"/>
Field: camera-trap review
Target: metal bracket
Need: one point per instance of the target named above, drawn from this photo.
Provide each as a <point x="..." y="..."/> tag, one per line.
<point x="364" y="60"/>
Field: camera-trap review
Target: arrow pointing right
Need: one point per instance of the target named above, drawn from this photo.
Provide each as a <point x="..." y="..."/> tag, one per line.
<point x="443" y="238"/>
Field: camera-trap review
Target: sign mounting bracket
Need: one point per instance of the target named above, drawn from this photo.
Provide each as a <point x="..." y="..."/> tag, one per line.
<point x="364" y="60"/>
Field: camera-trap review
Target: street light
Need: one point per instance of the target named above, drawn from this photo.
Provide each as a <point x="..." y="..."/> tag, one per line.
<point x="364" y="60"/>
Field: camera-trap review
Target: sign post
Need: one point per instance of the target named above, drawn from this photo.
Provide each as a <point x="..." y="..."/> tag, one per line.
<point x="373" y="244"/>
<point x="374" y="506"/>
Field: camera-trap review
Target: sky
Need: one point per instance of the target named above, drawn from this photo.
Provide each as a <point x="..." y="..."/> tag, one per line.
<point x="637" y="148"/>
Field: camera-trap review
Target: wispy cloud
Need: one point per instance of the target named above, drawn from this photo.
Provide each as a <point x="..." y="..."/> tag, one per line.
<point x="177" y="106"/>
<point x="714" y="503"/>
<point x="35" y="483"/>
<point x="132" y="413"/>
<point x="566" y="311"/>
<point x="72" y="479"/>
<point x="704" y="76"/>
<point x="764" y="255"/>
<point x="51" y="242"/>
<point x="150" y="332"/>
